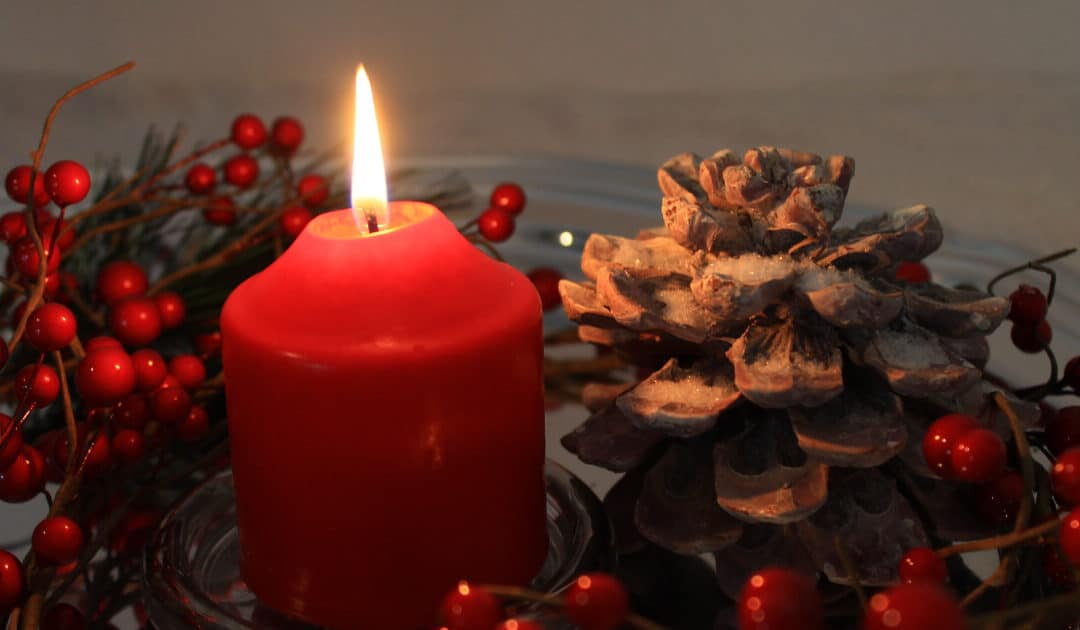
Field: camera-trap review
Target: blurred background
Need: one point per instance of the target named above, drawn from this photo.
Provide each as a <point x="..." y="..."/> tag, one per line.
<point x="972" y="106"/>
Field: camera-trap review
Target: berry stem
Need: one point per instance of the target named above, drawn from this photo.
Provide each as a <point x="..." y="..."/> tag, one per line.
<point x="482" y="242"/>
<point x="528" y="595"/>
<point x="852" y="570"/>
<point x="1031" y="264"/>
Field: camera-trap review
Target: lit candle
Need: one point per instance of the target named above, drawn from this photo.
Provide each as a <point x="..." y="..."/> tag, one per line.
<point x="384" y="389"/>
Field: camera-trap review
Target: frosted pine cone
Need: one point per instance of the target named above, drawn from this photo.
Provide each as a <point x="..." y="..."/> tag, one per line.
<point x="792" y="378"/>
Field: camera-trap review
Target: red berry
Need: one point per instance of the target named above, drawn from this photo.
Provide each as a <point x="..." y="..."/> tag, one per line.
<point x="170" y="405"/>
<point x="134" y="531"/>
<point x="248" y="131"/>
<point x="5" y="353"/>
<point x="27" y="262"/>
<point x="1070" y="376"/>
<point x="286" y="134"/>
<point x="188" y="370"/>
<point x="52" y="285"/>
<point x="135" y="321"/>
<point x="1065" y="477"/>
<point x="596" y="601"/>
<point x="241" y="170"/>
<point x="150" y="369"/>
<point x="12" y="227"/>
<point x="67" y="182"/>
<point x="194" y="427"/>
<point x="63" y="616"/>
<point x="998" y="501"/>
<point x="49" y="224"/>
<point x="1070" y="537"/>
<point x="208" y="344"/>
<point x="496" y="225"/>
<point x="220" y="211"/>
<point x="171" y="308"/>
<point x="921" y="564"/>
<point x="50" y="327"/>
<point x="546" y="281"/>
<point x="128" y="446"/>
<point x="1063" y="429"/>
<point x="11" y="581"/>
<point x="519" y="624"/>
<point x="1028" y="305"/>
<point x="912" y="272"/>
<point x="105" y="376"/>
<point x="294" y="220"/>
<point x="97" y="343"/>
<point x="508" y="197"/>
<point x="133" y="411"/>
<point x="200" y="179"/>
<point x="42" y="389"/>
<point x="12" y="446"/>
<point x="313" y="189"/>
<point x="24" y="477"/>
<point x="778" y="599"/>
<point x="95" y="458"/>
<point x="469" y="608"/>
<point x="939" y="440"/>
<point x="170" y="382"/>
<point x="17" y="184"/>
<point x="918" y="606"/>
<point x="978" y="455"/>
<point x="1032" y="338"/>
<point x="57" y="540"/>
<point x="121" y="280"/>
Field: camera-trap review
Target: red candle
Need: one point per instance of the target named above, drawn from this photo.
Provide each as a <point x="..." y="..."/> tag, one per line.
<point x="385" y="408"/>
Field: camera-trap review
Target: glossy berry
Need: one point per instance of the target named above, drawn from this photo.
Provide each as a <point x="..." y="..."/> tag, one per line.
<point x="97" y="343"/>
<point x="128" y="446"/>
<point x="241" y="170"/>
<point x="150" y="369"/>
<point x="94" y="456"/>
<point x="294" y="220"/>
<point x="921" y="564"/>
<point x="313" y="190"/>
<point x="1065" y="477"/>
<point x="779" y="599"/>
<point x="132" y="412"/>
<point x="1070" y="376"/>
<point x="200" y="179"/>
<point x="220" y="211"/>
<point x="67" y="182"/>
<point x="496" y="225"/>
<point x="50" y="327"/>
<point x="135" y="321"/>
<point x="11" y="581"/>
<point x="519" y="624"/>
<point x="24" y="477"/>
<point x="912" y="272"/>
<point x="248" y="131"/>
<point x="48" y="225"/>
<point x="12" y="227"/>
<point x="999" y="500"/>
<point x="596" y="601"/>
<point x="17" y="185"/>
<point x="194" y="427"/>
<point x="918" y="606"/>
<point x="508" y="197"/>
<point x="188" y="370"/>
<point x="1063" y="429"/>
<point x="38" y="384"/>
<point x="63" y="616"/>
<point x="1028" y="305"/>
<point x="286" y="134"/>
<point x="939" y="440"/>
<point x="1070" y="537"/>
<point x="170" y="405"/>
<point x="105" y="376"/>
<point x="1032" y="338"/>
<point x="171" y="308"/>
<point x="26" y="259"/>
<point x="208" y="344"/>
<point x="57" y="540"/>
<point x="469" y="608"/>
<point x="13" y="445"/>
<point x="120" y="280"/>
<point x="546" y="281"/>
<point x="978" y="456"/>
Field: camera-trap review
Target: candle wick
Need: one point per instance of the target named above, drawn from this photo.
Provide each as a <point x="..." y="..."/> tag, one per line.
<point x="372" y="223"/>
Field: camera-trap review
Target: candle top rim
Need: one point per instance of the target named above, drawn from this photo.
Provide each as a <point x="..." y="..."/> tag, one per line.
<point x="340" y="225"/>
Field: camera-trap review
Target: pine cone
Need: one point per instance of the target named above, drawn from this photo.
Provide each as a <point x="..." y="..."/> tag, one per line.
<point x="792" y="377"/>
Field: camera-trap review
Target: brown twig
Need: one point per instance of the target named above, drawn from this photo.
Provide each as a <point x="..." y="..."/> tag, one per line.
<point x="852" y="570"/>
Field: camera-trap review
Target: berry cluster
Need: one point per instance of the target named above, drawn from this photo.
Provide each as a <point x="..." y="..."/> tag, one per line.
<point x="1030" y="331"/>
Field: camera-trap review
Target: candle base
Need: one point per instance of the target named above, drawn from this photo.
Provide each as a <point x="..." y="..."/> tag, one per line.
<point x="192" y="570"/>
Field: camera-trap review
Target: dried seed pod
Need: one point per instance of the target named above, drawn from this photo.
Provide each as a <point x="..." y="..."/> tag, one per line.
<point x="841" y="169"/>
<point x="907" y="234"/>
<point x="950" y="503"/>
<point x="660" y="253"/>
<point x="745" y="187"/>
<point x="608" y="439"/>
<point x="597" y="396"/>
<point x="697" y="228"/>
<point x="681" y="402"/>
<point x="735" y="288"/>
<point x="761" y="545"/>
<point x="916" y="363"/>
<point x="678" y="177"/>
<point x="769" y="163"/>
<point x="583" y="305"/>
<point x="800" y="159"/>
<point x="711" y="177"/>
<point x="846" y="300"/>
<point x="646" y="300"/>
<point x="955" y="312"/>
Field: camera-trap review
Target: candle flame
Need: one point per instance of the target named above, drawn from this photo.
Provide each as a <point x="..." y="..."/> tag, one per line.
<point x="368" y="172"/>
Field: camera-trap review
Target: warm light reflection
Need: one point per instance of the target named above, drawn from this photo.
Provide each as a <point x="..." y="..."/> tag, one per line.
<point x="368" y="172"/>
<point x="566" y="238"/>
